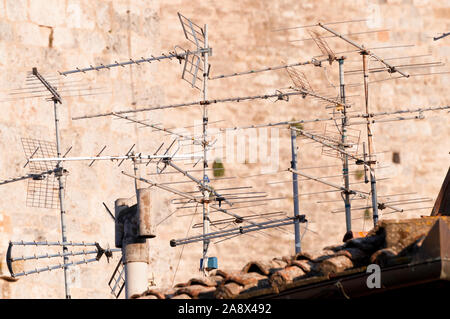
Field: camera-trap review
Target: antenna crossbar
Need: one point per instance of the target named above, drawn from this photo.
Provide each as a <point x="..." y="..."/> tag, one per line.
<point x="391" y="69"/>
<point x="156" y="127"/>
<point x="313" y="61"/>
<point x="34" y="176"/>
<point x="238" y="230"/>
<point x="279" y="96"/>
<point x="50" y="88"/>
<point x="182" y="194"/>
<point x="202" y="185"/>
<point x="370" y="115"/>
<point x="171" y="55"/>
<point x="115" y="158"/>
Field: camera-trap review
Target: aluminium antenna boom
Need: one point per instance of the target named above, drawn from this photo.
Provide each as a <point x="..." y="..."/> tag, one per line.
<point x="391" y="68"/>
<point x="278" y="95"/>
<point x="239" y="230"/>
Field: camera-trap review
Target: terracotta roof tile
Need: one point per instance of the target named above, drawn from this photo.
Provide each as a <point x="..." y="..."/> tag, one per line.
<point x="368" y="244"/>
<point x="335" y="264"/>
<point x="228" y="291"/>
<point x="193" y="291"/>
<point x="357" y="256"/>
<point x="232" y="286"/>
<point x="154" y="294"/>
<point x="203" y="281"/>
<point x="305" y="265"/>
<point x="263" y="267"/>
<point x="259" y="278"/>
<point x="181" y="296"/>
<point x="303" y="256"/>
<point x="317" y="257"/>
<point x="286" y="276"/>
<point x="147" y="297"/>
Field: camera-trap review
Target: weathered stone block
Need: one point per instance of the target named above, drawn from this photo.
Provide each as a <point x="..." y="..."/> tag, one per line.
<point x="32" y="34"/>
<point x="16" y="10"/>
<point x="50" y="221"/>
<point x="50" y="13"/>
<point x="2" y="9"/>
<point x="400" y="234"/>
<point x="63" y="38"/>
<point x="103" y="15"/>
<point x="79" y="15"/>
<point x="420" y="3"/>
<point x="91" y="42"/>
<point x="441" y="13"/>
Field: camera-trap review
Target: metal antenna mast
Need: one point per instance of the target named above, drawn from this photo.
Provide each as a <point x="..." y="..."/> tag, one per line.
<point x="205" y="204"/>
<point x="391" y="69"/>
<point x="295" y="190"/>
<point x="373" y="181"/>
<point x="345" y="172"/>
<point x="59" y="169"/>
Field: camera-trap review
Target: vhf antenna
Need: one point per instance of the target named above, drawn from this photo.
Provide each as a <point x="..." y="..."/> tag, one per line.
<point x="36" y="198"/>
<point x="205" y="203"/>
<point x="192" y="66"/>
<point x="391" y="69"/>
<point x="199" y="36"/>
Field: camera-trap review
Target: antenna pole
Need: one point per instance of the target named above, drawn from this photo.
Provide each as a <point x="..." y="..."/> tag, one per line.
<point x="346" y="195"/>
<point x="205" y="204"/>
<point x="58" y="174"/>
<point x="373" y="182"/>
<point x="295" y="191"/>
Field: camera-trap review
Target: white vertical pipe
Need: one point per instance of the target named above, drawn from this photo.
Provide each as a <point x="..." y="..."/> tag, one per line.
<point x="135" y="278"/>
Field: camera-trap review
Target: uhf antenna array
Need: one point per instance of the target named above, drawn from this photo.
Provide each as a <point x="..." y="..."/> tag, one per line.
<point x="43" y="187"/>
<point x="342" y="146"/>
<point x="211" y="199"/>
<point x="192" y="65"/>
<point x="196" y="72"/>
<point x="303" y="88"/>
<point x="46" y="180"/>
<point x="93" y="249"/>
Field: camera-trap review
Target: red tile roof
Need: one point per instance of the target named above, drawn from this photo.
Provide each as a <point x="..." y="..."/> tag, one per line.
<point x="393" y="242"/>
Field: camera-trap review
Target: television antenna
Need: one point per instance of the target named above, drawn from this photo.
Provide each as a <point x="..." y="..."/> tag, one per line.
<point x="41" y="191"/>
<point x="301" y="82"/>
<point x="212" y="199"/>
<point x="198" y="62"/>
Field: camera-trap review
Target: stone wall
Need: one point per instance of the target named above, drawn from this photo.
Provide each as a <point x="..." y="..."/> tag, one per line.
<point x="69" y="34"/>
<point x="57" y="36"/>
